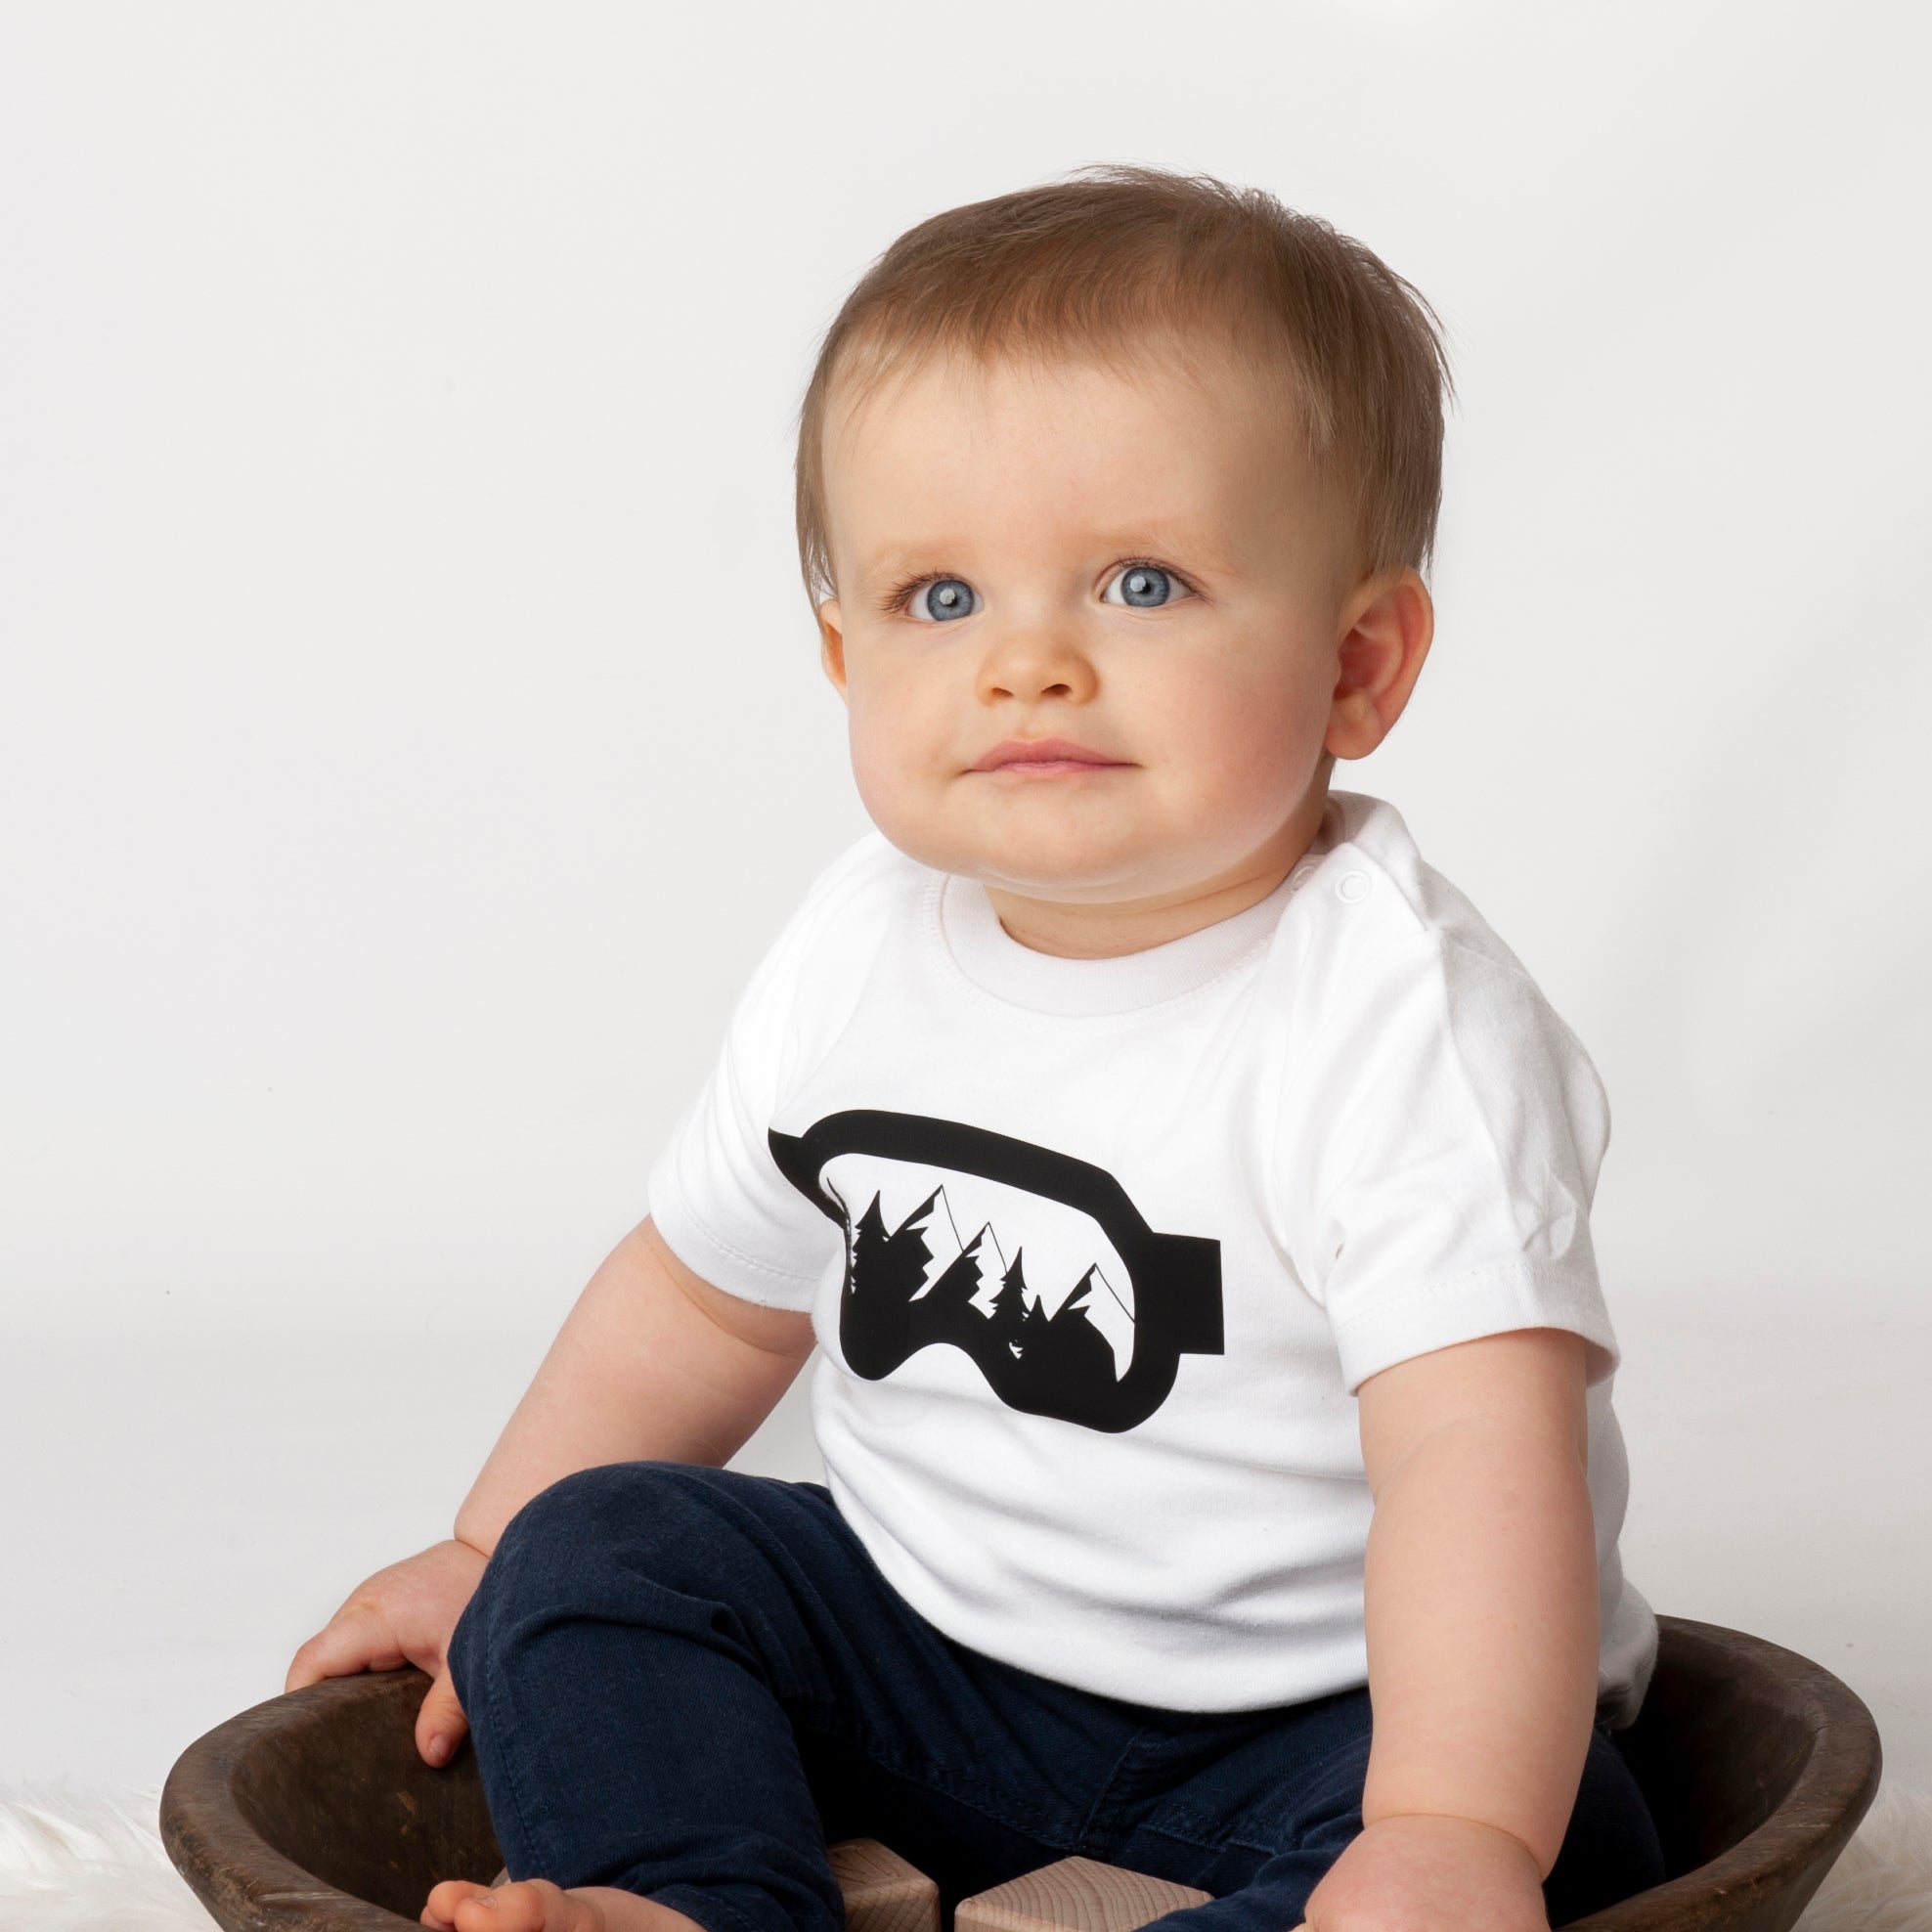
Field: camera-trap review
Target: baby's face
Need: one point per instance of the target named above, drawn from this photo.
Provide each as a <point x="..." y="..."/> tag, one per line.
<point x="1137" y="563"/>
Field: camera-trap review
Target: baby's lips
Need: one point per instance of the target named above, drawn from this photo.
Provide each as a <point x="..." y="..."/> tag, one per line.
<point x="1042" y="751"/>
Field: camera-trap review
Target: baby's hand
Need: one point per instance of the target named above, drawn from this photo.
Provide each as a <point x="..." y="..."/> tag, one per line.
<point x="403" y="1615"/>
<point x="1430" y="1875"/>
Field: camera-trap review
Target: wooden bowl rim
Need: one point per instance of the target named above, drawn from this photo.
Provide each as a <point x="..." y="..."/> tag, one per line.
<point x="209" y="1837"/>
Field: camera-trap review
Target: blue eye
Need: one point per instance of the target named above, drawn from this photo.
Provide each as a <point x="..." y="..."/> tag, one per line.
<point x="943" y="598"/>
<point x="1143" y="586"/>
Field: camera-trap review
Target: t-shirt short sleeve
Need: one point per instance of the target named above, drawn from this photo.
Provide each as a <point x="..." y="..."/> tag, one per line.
<point x="716" y="1194"/>
<point x="1440" y="1152"/>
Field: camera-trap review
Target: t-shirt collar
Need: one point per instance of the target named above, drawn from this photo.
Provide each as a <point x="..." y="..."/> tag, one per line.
<point x="993" y="960"/>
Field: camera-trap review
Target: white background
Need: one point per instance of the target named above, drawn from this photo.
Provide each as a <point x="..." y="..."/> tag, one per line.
<point x="411" y="728"/>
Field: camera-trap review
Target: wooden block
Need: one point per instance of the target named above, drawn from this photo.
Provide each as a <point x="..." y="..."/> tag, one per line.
<point x="882" y="1891"/>
<point x="1080" y="1895"/>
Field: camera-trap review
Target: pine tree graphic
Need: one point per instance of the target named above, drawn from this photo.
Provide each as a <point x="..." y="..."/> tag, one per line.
<point x="1009" y="1307"/>
<point x="884" y="1269"/>
<point x="890" y="1264"/>
<point x="1022" y="1351"/>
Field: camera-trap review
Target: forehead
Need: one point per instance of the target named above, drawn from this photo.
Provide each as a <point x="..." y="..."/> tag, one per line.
<point x="1045" y="446"/>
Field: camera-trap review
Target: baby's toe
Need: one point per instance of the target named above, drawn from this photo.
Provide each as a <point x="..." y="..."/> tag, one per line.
<point x="440" y="1909"/>
<point x="527" y="1904"/>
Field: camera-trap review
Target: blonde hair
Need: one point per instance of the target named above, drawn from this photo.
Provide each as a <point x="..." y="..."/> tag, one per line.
<point x="1095" y="263"/>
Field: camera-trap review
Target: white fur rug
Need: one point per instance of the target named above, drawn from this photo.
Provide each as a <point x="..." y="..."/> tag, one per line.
<point x="93" y="1861"/>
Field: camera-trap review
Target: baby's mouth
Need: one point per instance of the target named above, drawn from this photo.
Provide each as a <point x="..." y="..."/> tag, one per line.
<point x="1051" y="767"/>
<point x="1045" y="757"/>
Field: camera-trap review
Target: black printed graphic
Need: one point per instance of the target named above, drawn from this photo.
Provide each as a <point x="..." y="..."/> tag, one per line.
<point x="1035" y="1264"/>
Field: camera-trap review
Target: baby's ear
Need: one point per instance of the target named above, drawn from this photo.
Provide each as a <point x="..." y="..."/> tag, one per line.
<point x="831" y="645"/>
<point x="1379" y="658"/>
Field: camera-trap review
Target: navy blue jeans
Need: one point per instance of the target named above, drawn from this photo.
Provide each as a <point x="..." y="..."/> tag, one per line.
<point x="687" y="1682"/>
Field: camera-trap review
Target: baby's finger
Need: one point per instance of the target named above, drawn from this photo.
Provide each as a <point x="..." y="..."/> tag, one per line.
<point x="356" y="1640"/>
<point x="439" y="1725"/>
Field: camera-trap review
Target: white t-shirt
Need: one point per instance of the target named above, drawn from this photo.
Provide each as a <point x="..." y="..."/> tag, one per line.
<point x="1098" y="1250"/>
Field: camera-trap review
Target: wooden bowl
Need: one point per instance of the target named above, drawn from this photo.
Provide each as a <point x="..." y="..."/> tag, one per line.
<point x="1757" y="1764"/>
<point x="313" y="1811"/>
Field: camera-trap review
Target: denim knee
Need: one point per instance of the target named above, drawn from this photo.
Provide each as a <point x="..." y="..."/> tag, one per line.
<point x="652" y="1517"/>
<point x="556" y="1551"/>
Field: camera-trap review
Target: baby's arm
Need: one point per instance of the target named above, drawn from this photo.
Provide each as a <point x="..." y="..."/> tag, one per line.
<point x="1483" y="1635"/>
<point x="651" y="1364"/>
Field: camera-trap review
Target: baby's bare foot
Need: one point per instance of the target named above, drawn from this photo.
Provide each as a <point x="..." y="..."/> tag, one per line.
<point x="535" y="1905"/>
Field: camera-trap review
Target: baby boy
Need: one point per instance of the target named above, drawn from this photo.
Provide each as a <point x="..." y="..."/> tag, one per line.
<point x="1188" y="1193"/>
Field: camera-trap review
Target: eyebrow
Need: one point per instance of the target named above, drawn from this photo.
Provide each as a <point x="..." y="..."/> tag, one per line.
<point x="905" y="561"/>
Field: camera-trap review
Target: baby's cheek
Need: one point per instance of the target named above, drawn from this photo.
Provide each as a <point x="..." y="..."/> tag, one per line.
<point x="894" y="779"/>
<point x="1276" y="738"/>
<point x="879" y="754"/>
<point x="1247" y="749"/>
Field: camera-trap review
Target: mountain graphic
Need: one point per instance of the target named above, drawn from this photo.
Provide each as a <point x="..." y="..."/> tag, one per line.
<point x="1003" y="1288"/>
<point x="1081" y="1343"/>
<point x="942" y="1243"/>
<point x="903" y="1292"/>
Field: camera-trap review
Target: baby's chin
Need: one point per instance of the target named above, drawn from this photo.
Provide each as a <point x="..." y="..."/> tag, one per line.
<point x="1122" y="886"/>
<point x="1072" y="864"/>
